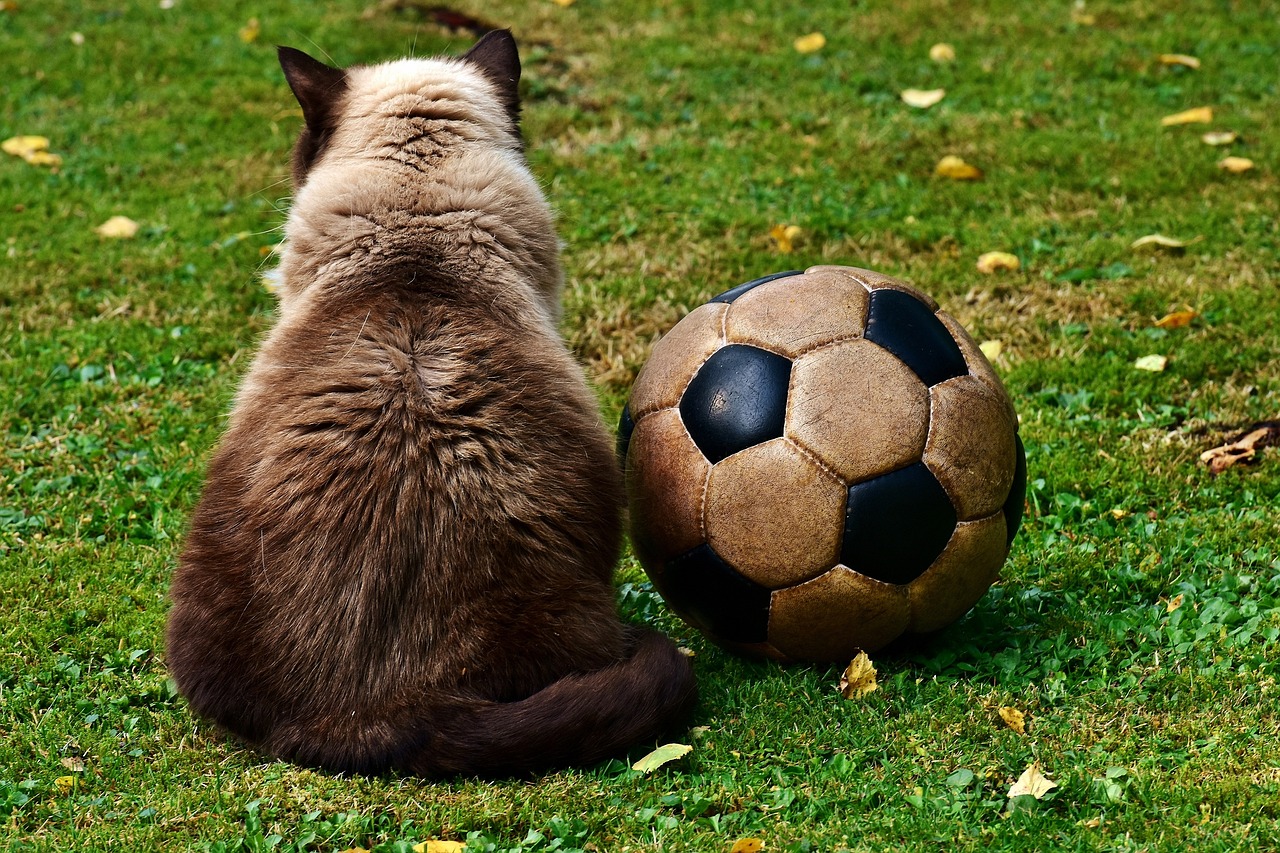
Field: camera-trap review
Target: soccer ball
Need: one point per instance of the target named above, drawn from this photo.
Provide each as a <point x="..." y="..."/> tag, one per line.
<point x="819" y="462"/>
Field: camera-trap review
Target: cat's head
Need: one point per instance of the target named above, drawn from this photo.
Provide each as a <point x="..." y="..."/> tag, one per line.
<point x="485" y="81"/>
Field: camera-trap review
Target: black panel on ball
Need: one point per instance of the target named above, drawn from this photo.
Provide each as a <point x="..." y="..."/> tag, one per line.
<point x="1014" y="504"/>
<point x="897" y="524"/>
<point x="734" y="292"/>
<point x="716" y="597"/>
<point x="906" y="327"/>
<point x="737" y="400"/>
<point x="626" y="426"/>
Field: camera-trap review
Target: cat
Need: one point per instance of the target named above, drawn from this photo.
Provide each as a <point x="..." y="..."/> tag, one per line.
<point x="402" y="558"/>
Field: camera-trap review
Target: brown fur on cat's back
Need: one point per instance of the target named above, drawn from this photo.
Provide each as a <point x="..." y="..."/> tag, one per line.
<point x="403" y="554"/>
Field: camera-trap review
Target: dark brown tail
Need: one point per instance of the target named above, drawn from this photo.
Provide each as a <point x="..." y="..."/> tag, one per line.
<point x="579" y="720"/>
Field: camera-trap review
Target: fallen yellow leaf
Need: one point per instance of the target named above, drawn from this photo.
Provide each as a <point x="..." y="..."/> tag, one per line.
<point x="20" y="146"/>
<point x="812" y="43"/>
<point x="922" y="98"/>
<point x="33" y="149"/>
<point x="991" y="349"/>
<point x="1080" y="16"/>
<point x="784" y="236"/>
<point x="990" y="262"/>
<point x="1160" y="241"/>
<point x="448" y="846"/>
<point x="1199" y="115"/>
<point x="250" y="31"/>
<point x="942" y="52"/>
<point x="957" y="169"/>
<point x="434" y="846"/>
<point x="1014" y="719"/>
<point x="747" y="845"/>
<point x="859" y="678"/>
<point x="1152" y="363"/>
<point x="1235" y="165"/>
<point x="662" y="755"/>
<point x="1219" y="137"/>
<point x="1176" y="319"/>
<point x="43" y="158"/>
<point x="1179" y="59"/>
<point x="1032" y="783"/>
<point x="119" y="227"/>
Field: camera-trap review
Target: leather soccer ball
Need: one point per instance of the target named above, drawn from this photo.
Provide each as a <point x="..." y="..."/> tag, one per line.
<point x="819" y="462"/>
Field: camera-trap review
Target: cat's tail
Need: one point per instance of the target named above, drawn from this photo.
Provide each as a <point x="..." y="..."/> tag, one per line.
<point x="579" y="720"/>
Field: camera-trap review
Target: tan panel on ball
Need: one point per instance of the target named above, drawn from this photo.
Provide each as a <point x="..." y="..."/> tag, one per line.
<point x="676" y="357"/>
<point x="858" y="409"/>
<point x="798" y="313"/>
<point x="833" y="616"/>
<point x="960" y="576"/>
<point x="971" y="447"/>
<point x="774" y="515"/>
<point x="666" y="477"/>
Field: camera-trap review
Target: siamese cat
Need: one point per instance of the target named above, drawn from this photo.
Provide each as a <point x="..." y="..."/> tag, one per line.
<point x="402" y="558"/>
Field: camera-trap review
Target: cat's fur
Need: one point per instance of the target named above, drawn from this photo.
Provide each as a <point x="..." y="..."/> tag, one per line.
<point x="403" y="554"/>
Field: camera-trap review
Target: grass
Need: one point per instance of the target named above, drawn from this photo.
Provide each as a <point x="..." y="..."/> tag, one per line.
<point x="1136" y="624"/>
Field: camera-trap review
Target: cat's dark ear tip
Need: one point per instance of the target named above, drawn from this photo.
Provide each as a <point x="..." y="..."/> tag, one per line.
<point x="290" y="55"/>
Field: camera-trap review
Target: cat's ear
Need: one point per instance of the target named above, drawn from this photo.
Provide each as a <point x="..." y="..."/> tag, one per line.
<point x="496" y="55"/>
<point x="317" y="87"/>
<point x="319" y="91"/>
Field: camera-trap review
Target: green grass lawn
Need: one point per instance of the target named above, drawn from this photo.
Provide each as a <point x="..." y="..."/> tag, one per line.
<point x="1136" y="622"/>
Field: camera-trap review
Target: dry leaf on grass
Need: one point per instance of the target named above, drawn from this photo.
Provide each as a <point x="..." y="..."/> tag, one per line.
<point x="957" y="169"/>
<point x="1199" y="115"/>
<point x="33" y="149"/>
<point x="1176" y="319"/>
<point x="1080" y="17"/>
<point x="1152" y="363"/>
<point x="811" y="43"/>
<point x="859" y="678"/>
<point x="1160" y="241"/>
<point x="1219" y="137"/>
<point x="922" y="98"/>
<point x="1014" y="719"/>
<point x="1243" y="448"/>
<point x="73" y="763"/>
<point x="1235" y="165"/>
<point x="436" y="846"/>
<point x="662" y="755"/>
<point x="784" y="237"/>
<point x="118" y="227"/>
<point x="1032" y="783"/>
<point x="249" y="32"/>
<point x="942" y="52"/>
<point x="992" y="262"/>
<point x="1179" y="59"/>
